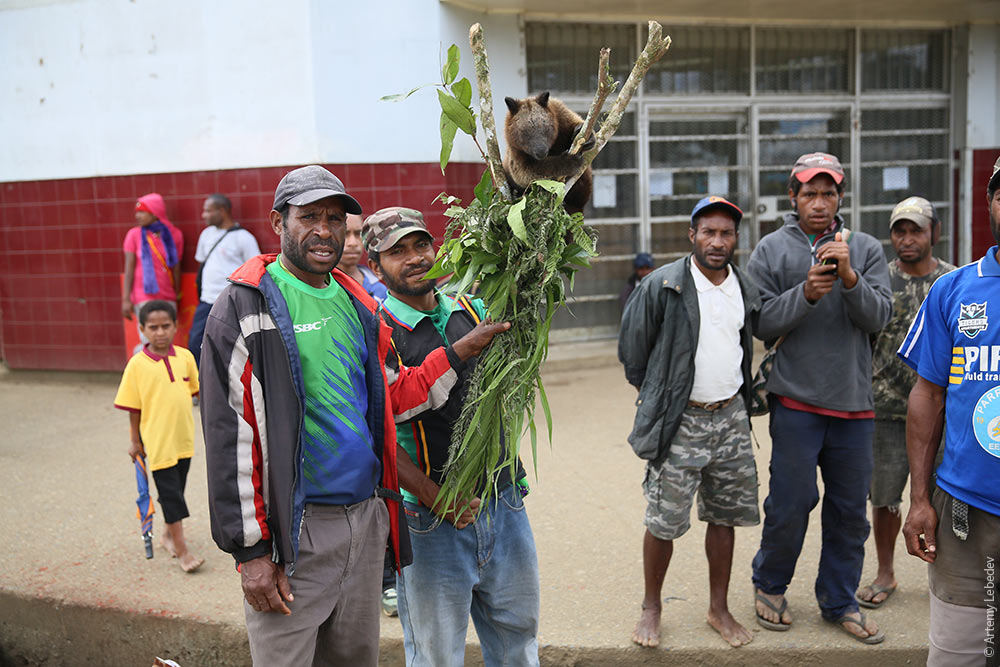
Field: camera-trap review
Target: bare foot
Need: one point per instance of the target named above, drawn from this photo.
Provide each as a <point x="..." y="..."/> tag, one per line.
<point x="769" y="614"/>
<point x="647" y="630"/>
<point x="870" y="629"/>
<point x="167" y="543"/>
<point x="731" y="631"/>
<point x="190" y="563"/>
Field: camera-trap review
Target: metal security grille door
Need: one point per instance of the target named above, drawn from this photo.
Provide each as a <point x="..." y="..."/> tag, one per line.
<point x="727" y="113"/>
<point x="782" y="136"/>
<point x="690" y="155"/>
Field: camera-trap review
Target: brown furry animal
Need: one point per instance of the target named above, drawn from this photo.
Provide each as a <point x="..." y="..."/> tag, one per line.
<point x="539" y="131"/>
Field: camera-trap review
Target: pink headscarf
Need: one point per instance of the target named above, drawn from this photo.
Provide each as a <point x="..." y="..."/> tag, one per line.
<point x="154" y="205"/>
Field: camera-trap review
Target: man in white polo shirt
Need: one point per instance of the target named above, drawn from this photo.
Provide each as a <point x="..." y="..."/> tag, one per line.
<point x="223" y="247"/>
<point x="686" y="345"/>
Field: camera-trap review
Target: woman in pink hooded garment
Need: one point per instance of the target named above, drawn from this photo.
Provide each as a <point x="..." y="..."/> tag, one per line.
<point x="153" y="251"/>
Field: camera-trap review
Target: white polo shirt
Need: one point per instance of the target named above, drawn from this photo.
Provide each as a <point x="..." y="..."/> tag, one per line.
<point x="718" y="361"/>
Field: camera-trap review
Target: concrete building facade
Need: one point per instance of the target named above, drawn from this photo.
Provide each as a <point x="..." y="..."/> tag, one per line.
<point x="105" y="100"/>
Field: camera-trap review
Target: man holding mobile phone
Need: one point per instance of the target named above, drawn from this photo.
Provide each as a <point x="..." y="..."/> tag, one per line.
<point x="825" y="290"/>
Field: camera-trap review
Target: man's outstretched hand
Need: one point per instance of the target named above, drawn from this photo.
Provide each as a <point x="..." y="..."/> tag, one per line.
<point x="474" y="342"/>
<point x="265" y="585"/>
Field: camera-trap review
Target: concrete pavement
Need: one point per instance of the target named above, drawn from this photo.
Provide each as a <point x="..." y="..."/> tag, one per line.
<point x="76" y="589"/>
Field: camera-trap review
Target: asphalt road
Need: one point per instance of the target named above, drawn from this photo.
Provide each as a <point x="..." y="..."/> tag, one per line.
<point x="74" y="582"/>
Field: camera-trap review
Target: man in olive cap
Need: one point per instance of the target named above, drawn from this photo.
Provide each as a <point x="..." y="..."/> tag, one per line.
<point x="913" y="229"/>
<point x="954" y="346"/>
<point x="481" y="561"/>
<point x="299" y="389"/>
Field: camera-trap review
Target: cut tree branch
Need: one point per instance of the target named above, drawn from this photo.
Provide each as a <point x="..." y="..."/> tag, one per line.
<point x="656" y="46"/>
<point x="486" y="110"/>
<point x="605" y="86"/>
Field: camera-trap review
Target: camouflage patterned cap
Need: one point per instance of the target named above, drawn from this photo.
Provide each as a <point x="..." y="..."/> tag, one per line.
<point x="384" y="228"/>
<point x="994" y="182"/>
<point x="915" y="209"/>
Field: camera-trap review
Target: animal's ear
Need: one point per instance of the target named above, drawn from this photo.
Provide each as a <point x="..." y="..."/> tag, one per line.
<point x="512" y="105"/>
<point x="543" y="98"/>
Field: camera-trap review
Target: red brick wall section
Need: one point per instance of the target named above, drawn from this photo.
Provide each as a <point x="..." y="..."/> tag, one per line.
<point x="60" y="245"/>
<point x="982" y="168"/>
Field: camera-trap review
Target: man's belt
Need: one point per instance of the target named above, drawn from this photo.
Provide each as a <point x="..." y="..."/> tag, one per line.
<point x="712" y="407"/>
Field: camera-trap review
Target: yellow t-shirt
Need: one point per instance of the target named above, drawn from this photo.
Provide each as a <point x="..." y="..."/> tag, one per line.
<point x="160" y="389"/>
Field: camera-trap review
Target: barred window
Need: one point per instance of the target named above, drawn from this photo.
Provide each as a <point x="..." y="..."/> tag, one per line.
<point x="805" y="60"/>
<point x="703" y="60"/>
<point x="904" y="60"/>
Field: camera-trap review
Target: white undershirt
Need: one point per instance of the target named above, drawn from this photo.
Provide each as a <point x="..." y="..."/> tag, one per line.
<point x="718" y="360"/>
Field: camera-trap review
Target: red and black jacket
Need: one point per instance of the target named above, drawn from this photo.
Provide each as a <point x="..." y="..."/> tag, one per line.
<point x="252" y="414"/>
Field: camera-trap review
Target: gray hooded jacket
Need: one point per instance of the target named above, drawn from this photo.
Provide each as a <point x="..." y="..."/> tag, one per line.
<point x="826" y="357"/>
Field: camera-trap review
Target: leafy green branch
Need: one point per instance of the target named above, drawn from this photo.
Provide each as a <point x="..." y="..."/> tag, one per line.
<point x="455" y="98"/>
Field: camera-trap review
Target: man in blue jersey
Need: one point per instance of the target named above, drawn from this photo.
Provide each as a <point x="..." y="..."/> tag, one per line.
<point x="954" y="345"/>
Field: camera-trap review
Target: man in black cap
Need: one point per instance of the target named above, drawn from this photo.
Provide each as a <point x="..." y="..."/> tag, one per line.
<point x="643" y="266"/>
<point x="954" y="346"/>
<point x="299" y="388"/>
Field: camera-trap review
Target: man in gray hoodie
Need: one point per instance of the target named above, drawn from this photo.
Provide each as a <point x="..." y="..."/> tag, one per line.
<point x="824" y="290"/>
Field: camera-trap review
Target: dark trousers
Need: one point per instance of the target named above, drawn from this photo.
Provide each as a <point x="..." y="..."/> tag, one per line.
<point x="197" y="331"/>
<point x="842" y="448"/>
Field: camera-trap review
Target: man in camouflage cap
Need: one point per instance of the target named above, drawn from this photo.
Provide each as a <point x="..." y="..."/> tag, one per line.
<point x="448" y="579"/>
<point x="913" y="229"/>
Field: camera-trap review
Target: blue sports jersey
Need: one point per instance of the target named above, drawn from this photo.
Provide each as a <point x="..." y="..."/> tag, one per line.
<point x="954" y="342"/>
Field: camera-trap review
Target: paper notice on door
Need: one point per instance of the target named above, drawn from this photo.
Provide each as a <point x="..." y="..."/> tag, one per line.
<point x="896" y="178"/>
<point x="661" y="184"/>
<point x="605" y="191"/>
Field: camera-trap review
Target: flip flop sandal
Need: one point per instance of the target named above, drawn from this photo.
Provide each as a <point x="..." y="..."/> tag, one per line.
<point x="876" y="589"/>
<point x="846" y="618"/>
<point x="771" y="625"/>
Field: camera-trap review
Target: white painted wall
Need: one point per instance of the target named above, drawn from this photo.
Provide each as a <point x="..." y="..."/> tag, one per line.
<point x="983" y="88"/>
<point x="99" y="87"/>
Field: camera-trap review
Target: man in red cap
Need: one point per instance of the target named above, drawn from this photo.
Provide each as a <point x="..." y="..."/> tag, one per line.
<point x="825" y="291"/>
<point x="686" y="345"/>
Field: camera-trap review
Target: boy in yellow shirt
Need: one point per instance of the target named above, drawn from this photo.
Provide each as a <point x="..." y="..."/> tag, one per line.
<point x="156" y="390"/>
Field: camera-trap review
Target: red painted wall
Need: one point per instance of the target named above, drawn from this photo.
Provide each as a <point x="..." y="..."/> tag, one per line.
<point x="61" y="256"/>
<point x="982" y="168"/>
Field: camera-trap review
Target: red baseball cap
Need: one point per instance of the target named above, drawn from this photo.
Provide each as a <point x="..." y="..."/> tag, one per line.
<point x="809" y="165"/>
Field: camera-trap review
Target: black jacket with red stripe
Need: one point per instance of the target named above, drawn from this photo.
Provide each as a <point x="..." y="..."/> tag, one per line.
<point x="252" y="413"/>
<point x="432" y="429"/>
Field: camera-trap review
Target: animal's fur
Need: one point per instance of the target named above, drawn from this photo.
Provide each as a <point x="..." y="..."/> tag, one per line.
<point x="539" y="131"/>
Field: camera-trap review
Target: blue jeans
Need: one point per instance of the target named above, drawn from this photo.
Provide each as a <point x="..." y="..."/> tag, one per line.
<point x="488" y="569"/>
<point x="842" y="448"/>
<point x="197" y="331"/>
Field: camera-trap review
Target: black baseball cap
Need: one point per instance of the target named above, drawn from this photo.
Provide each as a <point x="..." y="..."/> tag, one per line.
<point x="310" y="184"/>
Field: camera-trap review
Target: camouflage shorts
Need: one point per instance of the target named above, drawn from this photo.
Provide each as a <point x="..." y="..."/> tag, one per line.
<point x="711" y="454"/>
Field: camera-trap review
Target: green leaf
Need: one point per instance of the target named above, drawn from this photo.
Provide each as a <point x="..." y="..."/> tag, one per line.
<point x="450" y="69"/>
<point x="448" y="129"/>
<point x="484" y="191"/>
<point x="459" y="114"/>
<point x="555" y="187"/>
<point x="399" y="97"/>
<point x="463" y="91"/>
<point x="454" y="211"/>
<point x="516" y="221"/>
<point x="544" y="400"/>
<point x="448" y="199"/>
